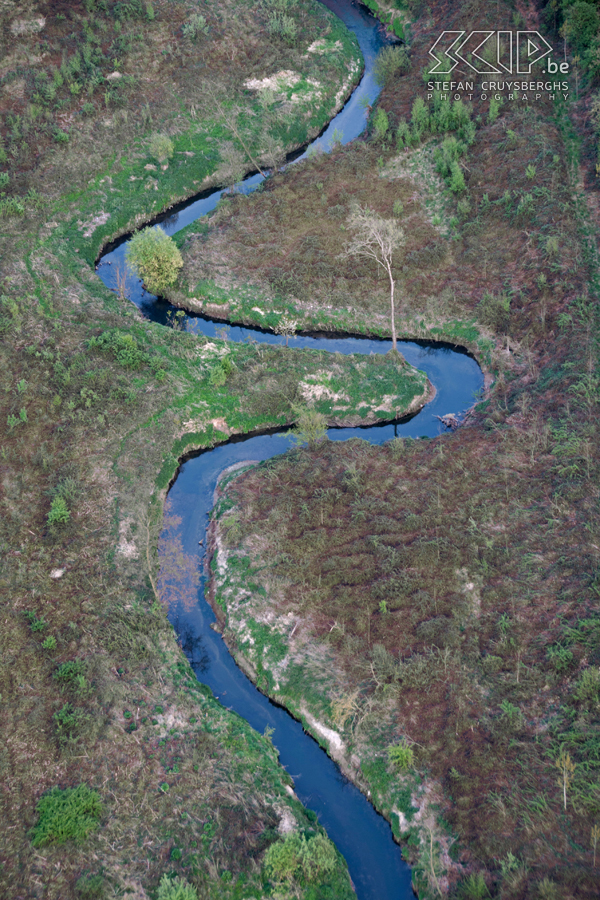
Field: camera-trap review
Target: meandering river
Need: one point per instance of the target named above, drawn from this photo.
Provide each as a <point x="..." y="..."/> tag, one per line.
<point x="362" y="835"/>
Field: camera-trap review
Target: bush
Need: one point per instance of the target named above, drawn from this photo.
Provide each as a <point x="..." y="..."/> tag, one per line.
<point x="390" y="61"/>
<point x="380" y="124"/>
<point x="311" y="427"/>
<point x="66" y="815"/>
<point x="161" y="147"/>
<point x="123" y="347"/>
<point x="401" y="755"/>
<point x="221" y="372"/>
<point x="59" y="512"/>
<point x="68" y="721"/>
<point x="155" y="257"/>
<point x="560" y="658"/>
<point x="474" y="887"/>
<point x="71" y="675"/>
<point x="175" y="889"/>
<point x="588" y="687"/>
<point x="581" y="24"/>
<point x="194" y="26"/>
<point x="296" y="858"/>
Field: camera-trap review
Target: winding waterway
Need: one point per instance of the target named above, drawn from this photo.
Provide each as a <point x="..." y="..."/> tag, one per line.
<point x="362" y="835"/>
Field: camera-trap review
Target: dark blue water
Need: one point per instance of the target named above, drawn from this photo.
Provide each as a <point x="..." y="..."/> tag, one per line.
<point x="363" y="836"/>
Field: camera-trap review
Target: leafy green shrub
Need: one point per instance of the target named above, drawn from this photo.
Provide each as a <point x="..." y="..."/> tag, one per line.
<point x="11" y="206"/>
<point x="66" y="815"/>
<point x="175" y="889"/>
<point x="380" y="124"/>
<point x="401" y="755"/>
<point x="390" y="61"/>
<point x="161" y="147"/>
<point x="587" y="689"/>
<point x="221" y="372"/>
<point x="123" y="347"/>
<point x="155" y="257"/>
<point x="71" y="675"/>
<point x="49" y="643"/>
<point x="559" y="657"/>
<point x="581" y="24"/>
<point x="68" y="721"/>
<point x="511" y="716"/>
<point x="440" y="117"/>
<point x="4" y="179"/>
<point x="279" y="22"/>
<point x="446" y="160"/>
<point x="34" y="623"/>
<point x="474" y="887"/>
<point x="311" y="427"/>
<point x="295" y="858"/>
<point x="195" y="25"/>
<point x="59" y="511"/>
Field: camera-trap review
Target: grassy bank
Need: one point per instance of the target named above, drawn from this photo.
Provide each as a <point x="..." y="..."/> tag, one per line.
<point x="105" y="123"/>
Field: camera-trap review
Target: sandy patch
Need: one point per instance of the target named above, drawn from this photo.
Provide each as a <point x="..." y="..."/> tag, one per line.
<point x="101" y="219"/>
<point x="278" y="82"/>
<point x="27" y="26"/>
<point x="126" y="547"/>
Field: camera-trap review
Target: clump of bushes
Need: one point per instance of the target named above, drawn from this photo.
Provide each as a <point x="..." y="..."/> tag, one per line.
<point x="439" y="117"/>
<point x="161" y="147"/>
<point x="66" y="815"/>
<point x="59" y="512"/>
<point x="390" y="61"/>
<point x="401" y="755"/>
<point x="296" y="858"/>
<point x="68" y="722"/>
<point x="155" y="258"/>
<point x="195" y="25"/>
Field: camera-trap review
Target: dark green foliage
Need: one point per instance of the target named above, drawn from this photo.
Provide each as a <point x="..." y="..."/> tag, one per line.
<point x="581" y="24"/>
<point x="447" y="163"/>
<point x="70" y="676"/>
<point x="66" y="815"/>
<point x="34" y="623"/>
<point x="391" y="60"/>
<point x="296" y="858"/>
<point x="439" y="117"/>
<point x="124" y="347"/>
<point x="68" y="722"/>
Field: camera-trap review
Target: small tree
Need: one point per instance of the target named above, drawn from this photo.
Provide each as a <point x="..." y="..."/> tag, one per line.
<point x="566" y="767"/>
<point x="155" y="258"/>
<point x="311" y="427"/>
<point x="375" y="238"/>
<point x="287" y="327"/>
<point x="161" y="147"/>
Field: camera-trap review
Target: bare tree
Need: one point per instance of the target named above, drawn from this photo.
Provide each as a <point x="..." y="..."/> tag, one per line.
<point x="375" y="238"/>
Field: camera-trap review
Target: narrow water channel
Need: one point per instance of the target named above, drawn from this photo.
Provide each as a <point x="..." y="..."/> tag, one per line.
<point x="364" y="837"/>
